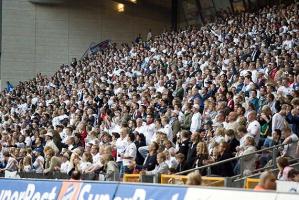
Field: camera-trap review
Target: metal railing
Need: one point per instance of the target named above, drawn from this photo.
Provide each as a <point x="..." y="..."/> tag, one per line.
<point x="208" y="167"/>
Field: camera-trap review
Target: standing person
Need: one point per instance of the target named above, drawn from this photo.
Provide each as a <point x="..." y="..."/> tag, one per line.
<point x="225" y="169"/>
<point x="129" y="155"/>
<point x="187" y="118"/>
<point x="278" y="120"/>
<point x="290" y="144"/>
<point x="293" y="118"/>
<point x="184" y="143"/>
<point x="248" y="161"/>
<point x="191" y="155"/>
<point x="253" y="127"/>
<point x="202" y="154"/>
<point x="39" y="161"/>
<point x="196" y="119"/>
<point x="121" y="145"/>
<point x="149" y="35"/>
<point x="150" y="161"/>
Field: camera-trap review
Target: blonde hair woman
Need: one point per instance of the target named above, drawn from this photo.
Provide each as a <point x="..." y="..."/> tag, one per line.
<point x="194" y="178"/>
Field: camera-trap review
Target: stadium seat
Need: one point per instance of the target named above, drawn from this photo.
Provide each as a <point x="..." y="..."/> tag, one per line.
<point x="131" y="178"/>
<point x="250" y="183"/>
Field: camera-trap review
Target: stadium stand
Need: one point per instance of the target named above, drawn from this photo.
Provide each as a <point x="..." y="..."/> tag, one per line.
<point x="221" y="99"/>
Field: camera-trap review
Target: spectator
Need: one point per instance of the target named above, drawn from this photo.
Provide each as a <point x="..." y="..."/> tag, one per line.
<point x="11" y="163"/>
<point x="50" y="143"/>
<point x="150" y="162"/>
<point x="110" y="168"/>
<point x="161" y="168"/>
<point x="194" y="178"/>
<point x="283" y="166"/>
<point x="196" y="119"/>
<point x="294" y="175"/>
<point x="52" y="162"/>
<point x="65" y="163"/>
<point x="39" y="161"/>
<point x="76" y="175"/>
<point x="267" y="182"/>
<point x="254" y="126"/>
<point x="129" y="154"/>
<point x="192" y="151"/>
<point x="290" y="144"/>
<point x="182" y="165"/>
<point x="194" y="79"/>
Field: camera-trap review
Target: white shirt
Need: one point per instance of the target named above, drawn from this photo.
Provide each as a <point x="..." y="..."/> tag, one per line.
<point x="149" y="131"/>
<point x="130" y="151"/>
<point x="168" y="131"/>
<point x="121" y="145"/>
<point x="12" y="164"/>
<point x="65" y="167"/>
<point x="84" y="166"/>
<point x="254" y="129"/>
<point x="291" y="149"/>
<point x="195" y="122"/>
<point x="96" y="158"/>
<point x="39" y="164"/>
<point x="172" y="162"/>
<point x="285" y="90"/>
<point x="278" y="122"/>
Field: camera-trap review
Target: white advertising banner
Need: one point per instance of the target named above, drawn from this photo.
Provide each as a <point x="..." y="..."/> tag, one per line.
<point x="287" y="186"/>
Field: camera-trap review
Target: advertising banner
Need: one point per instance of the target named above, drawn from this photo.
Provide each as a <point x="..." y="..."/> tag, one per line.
<point x="287" y="186"/>
<point x="152" y="192"/>
<point x="75" y="190"/>
<point x="25" y="190"/>
<point x="14" y="189"/>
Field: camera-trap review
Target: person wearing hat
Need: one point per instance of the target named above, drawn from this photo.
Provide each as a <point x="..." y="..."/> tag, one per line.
<point x="196" y="119"/>
<point x="50" y="142"/>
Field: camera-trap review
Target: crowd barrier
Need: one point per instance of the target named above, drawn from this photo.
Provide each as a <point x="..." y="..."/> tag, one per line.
<point x="251" y="183"/>
<point x="26" y="189"/>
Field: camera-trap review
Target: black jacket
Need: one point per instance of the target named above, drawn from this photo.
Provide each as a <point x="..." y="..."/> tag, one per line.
<point x="184" y="147"/>
<point x="191" y="155"/>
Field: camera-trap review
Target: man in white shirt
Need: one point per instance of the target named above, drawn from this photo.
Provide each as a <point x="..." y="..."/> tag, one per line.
<point x="129" y="155"/>
<point x="121" y="145"/>
<point x="95" y="154"/>
<point x="196" y="119"/>
<point x="278" y="120"/>
<point x="38" y="164"/>
<point x="65" y="165"/>
<point x="254" y="127"/>
<point x="291" y="144"/>
<point x="284" y="89"/>
<point x="149" y="129"/>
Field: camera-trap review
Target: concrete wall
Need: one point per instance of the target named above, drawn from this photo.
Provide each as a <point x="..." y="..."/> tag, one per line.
<point x="39" y="38"/>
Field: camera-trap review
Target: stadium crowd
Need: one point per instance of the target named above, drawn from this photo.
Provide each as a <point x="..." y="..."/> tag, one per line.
<point x="165" y="104"/>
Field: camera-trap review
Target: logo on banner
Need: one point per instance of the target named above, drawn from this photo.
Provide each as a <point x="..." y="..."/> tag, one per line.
<point x="69" y="191"/>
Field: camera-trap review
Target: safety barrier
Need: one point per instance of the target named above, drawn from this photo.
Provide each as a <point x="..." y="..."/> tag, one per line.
<point x="251" y="183"/>
<point x="133" y="178"/>
<point x="179" y="179"/>
<point x="176" y="179"/>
